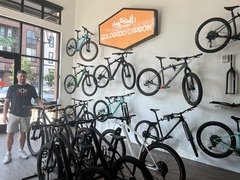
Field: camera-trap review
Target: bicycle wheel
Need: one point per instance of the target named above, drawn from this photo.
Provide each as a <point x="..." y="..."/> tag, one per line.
<point x="108" y="134"/>
<point x="35" y="137"/>
<point x="70" y="84"/>
<point x="88" y="51"/>
<point x="100" y="107"/>
<point x="190" y="137"/>
<point x="216" y="139"/>
<point x="102" y="76"/>
<point x="85" y="152"/>
<point x="87" y="116"/>
<point x="89" y="85"/>
<point x="128" y="76"/>
<point x="167" y="163"/>
<point x="93" y="173"/>
<point x="148" y="82"/>
<point x="213" y="35"/>
<point x="141" y="128"/>
<point x="128" y="167"/>
<point x="71" y="47"/>
<point x="49" y="163"/>
<point x="192" y="89"/>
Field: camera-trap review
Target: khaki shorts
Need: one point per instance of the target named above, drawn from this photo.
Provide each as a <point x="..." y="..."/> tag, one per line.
<point x="16" y="123"/>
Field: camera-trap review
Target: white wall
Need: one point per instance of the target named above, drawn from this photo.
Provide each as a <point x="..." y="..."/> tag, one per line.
<point x="178" y="21"/>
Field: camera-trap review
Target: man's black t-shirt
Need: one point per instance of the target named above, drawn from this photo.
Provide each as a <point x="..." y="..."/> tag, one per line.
<point x="20" y="96"/>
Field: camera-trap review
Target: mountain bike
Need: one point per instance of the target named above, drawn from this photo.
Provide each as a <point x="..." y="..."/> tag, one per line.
<point x="216" y="139"/>
<point x="155" y="132"/>
<point x="89" y="83"/>
<point x="71" y="112"/>
<point x="109" y="157"/>
<point x="215" y="33"/>
<point x="101" y="107"/>
<point x="58" y="159"/>
<point x="149" y="81"/>
<point x="104" y="74"/>
<point x="88" y="50"/>
<point x="162" y="161"/>
<point x="37" y="136"/>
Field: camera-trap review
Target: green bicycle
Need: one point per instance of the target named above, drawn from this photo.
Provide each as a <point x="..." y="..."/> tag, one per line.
<point x="101" y="107"/>
<point x="89" y="82"/>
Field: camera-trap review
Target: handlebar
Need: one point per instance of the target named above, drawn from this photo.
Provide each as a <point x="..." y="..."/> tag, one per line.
<point x="118" y="97"/>
<point x="177" y="115"/>
<point x="40" y="108"/>
<point x="187" y="57"/>
<point x="79" y="65"/>
<point x="122" y="53"/>
<point x="85" y="29"/>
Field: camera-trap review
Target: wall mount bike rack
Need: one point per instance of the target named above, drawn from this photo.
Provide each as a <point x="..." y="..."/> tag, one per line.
<point x="231" y="77"/>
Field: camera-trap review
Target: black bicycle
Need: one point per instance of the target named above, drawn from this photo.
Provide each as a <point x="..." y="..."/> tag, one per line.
<point x="215" y="33"/>
<point x="58" y="159"/>
<point x="152" y="131"/>
<point x="104" y="74"/>
<point x="149" y="81"/>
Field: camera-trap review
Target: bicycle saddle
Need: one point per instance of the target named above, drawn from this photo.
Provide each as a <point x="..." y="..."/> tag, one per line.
<point x="230" y="8"/>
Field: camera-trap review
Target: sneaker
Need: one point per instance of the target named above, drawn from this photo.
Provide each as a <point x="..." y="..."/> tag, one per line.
<point x="7" y="158"/>
<point x="22" y="154"/>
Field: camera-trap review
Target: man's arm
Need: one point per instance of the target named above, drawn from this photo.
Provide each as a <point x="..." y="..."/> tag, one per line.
<point x="5" y="110"/>
<point x="39" y="102"/>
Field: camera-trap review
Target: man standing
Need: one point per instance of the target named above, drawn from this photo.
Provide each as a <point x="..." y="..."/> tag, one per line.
<point x="18" y="96"/>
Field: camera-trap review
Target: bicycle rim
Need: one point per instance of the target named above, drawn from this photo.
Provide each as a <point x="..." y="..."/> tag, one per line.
<point x="88" y="51"/>
<point x="49" y="163"/>
<point x="167" y="163"/>
<point x="70" y="84"/>
<point x="215" y="139"/>
<point x="213" y="35"/>
<point x="128" y="167"/>
<point x="71" y="47"/>
<point x="35" y="138"/>
<point x="192" y="89"/>
<point x="89" y="85"/>
<point x="128" y="76"/>
<point x="101" y="74"/>
<point x="148" y="82"/>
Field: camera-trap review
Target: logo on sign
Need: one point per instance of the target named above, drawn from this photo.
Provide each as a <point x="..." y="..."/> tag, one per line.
<point x="128" y="27"/>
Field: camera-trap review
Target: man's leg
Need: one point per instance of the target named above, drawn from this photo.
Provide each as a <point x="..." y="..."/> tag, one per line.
<point x="22" y="140"/>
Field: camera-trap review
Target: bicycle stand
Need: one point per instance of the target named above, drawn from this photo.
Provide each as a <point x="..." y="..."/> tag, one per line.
<point x="30" y="177"/>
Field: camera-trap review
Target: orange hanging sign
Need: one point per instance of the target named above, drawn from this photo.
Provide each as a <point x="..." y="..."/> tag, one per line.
<point x="128" y="27"/>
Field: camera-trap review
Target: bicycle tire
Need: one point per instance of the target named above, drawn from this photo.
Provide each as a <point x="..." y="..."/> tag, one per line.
<point x="169" y="163"/>
<point x="88" y="51"/>
<point x="207" y="34"/>
<point x="87" y="116"/>
<point x="70" y="84"/>
<point x="209" y="135"/>
<point x="190" y="137"/>
<point x="35" y="137"/>
<point x="128" y="76"/>
<point x="145" y="83"/>
<point x="141" y="128"/>
<point x="71" y="47"/>
<point x="121" y="148"/>
<point x="85" y="152"/>
<point x="89" y="85"/>
<point x="93" y="173"/>
<point x="192" y="93"/>
<point x="102" y="76"/>
<point x="55" y="167"/>
<point x="100" y="108"/>
<point x="128" y="167"/>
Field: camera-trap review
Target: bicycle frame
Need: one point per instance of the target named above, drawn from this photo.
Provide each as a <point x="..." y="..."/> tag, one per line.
<point x="233" y="20"/>
<point x="83" y="72"/>
<point x="120" y="61"/>
<point x="81" y="40"/>
<point x="183" y="65"/>
<point x="219" y="141"/>
<point x="120" y="101"/>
